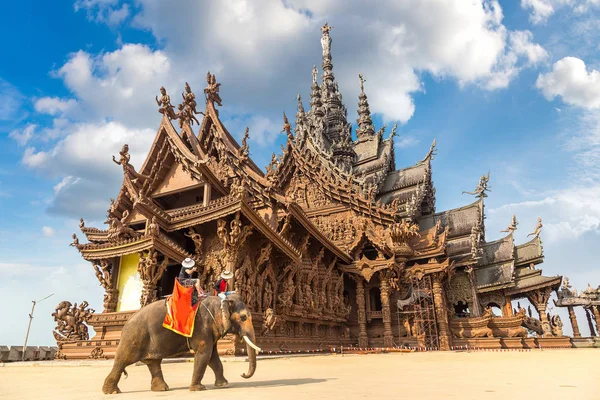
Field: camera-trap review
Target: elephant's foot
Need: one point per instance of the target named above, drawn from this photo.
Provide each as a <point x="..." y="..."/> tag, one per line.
<point x="197" y="388"/>
<point x="110" y="389"/>
<point x="221" y="383"/>
<point x="158" y="385"/>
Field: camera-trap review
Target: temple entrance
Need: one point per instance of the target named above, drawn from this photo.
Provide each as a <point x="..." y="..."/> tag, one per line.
<point x="425" y="318"/>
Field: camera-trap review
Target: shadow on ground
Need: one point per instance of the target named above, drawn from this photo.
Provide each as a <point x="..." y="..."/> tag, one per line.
<point x="251" y="384"/>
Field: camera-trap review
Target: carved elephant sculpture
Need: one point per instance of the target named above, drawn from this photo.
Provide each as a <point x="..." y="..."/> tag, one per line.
<point x="145" y="339"/>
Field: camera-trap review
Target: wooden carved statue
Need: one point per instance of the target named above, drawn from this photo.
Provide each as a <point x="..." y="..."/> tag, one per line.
<point x="270" y="320"/>
<point x="150" y="272"/>
<point x="538" y="228"/>
<point x="71" y="321"/>
<point x="165" y="105"/>
<point x="197" y="239"/>
<point x="127" y="167"/>
<point x="212" y="90"/>
<point x="482" y="187"/>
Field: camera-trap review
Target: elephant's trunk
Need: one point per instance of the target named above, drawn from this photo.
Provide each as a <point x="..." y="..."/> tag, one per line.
<point x="252" y="349"/>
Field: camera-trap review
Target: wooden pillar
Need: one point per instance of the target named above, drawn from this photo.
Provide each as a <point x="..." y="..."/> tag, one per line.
<point x="476" y="308"/>
<point x="388" y="338"/>
<point x="207" y="194"/>
<point x="588" y="314"/>
<point x="363" y="339"/>
<point x="539" y="299"/>
<point x="574" y="324"/>
<point x="508" y="310"/>
<point x="440" y="310"/>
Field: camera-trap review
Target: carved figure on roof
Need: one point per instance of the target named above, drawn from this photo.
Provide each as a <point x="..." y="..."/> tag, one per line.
<point x="197" y="239"/>
<point x="127" y="167"/>
<point x="117" y="230"/>
<point x="81" y="223"/>
<point x="75" y="241"/>
<point x="212" y="90"/>
<point x="326" y="40"/>
<point x="185" y="115"/>
<point x="482" y="187"/>
<point x="243" y="152"/>
<point x="538" y="228"/>
<point x="394" y="128"/>
<point x="314" y="74"/>
<point x="165" y="104"/>
<point x="513" y="225"/>
<point x="113" y="206"/>
<point x="432" y="152"/>
<point x="189" y="99"/>
<point x="287" y="128"/>
<point x="238" y="188"/>
<point x="362" y="81"/>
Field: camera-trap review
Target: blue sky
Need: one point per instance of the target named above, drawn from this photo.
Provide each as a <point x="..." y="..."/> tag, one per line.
<point x="509" y="87"/>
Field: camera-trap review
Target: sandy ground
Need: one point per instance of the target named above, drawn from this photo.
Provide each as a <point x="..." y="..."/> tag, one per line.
<point x="549" y="374"/>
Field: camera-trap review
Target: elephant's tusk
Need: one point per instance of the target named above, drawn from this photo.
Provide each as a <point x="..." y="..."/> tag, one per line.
<point x="249" y="342"/>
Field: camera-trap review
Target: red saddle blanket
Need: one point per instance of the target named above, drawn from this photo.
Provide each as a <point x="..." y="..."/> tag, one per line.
<point x="180" y="312"/>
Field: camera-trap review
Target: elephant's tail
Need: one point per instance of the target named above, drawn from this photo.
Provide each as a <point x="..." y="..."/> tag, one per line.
<point x="125" y="373"/>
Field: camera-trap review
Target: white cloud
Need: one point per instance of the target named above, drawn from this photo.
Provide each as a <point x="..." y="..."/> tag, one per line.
<point x="53" y="105"/>
<point x="48" y="231"/>
<point x="541" y="10"/>
<point x="23" y="136"/>
<point x="406" y="141"/>
<point x="82" y="161"/>
<point x="10" y="101"/>
<point x="571" y="80"/>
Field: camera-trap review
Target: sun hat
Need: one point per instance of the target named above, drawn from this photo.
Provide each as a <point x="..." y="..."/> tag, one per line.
<point x="188" y="263"/>
<point x="226" y="275"/>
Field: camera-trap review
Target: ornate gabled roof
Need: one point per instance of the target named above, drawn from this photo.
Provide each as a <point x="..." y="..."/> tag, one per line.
<point x="530" y="252"/>
<point x="498" y="251"/>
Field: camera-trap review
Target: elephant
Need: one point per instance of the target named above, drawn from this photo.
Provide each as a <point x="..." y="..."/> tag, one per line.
<point x="145" y="339"/>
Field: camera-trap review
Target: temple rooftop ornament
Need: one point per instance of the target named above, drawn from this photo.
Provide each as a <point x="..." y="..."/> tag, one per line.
<point x="513" y="225"/>
<point x="212" y="89"/>
<point x="538" y="228"/>
<point x="482" y="187"/>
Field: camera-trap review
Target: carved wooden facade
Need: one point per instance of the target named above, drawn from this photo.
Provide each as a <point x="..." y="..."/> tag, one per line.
<point x="332" y="245"/>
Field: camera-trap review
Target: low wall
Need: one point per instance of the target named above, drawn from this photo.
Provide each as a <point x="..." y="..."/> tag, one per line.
<point x="32" y="353"/>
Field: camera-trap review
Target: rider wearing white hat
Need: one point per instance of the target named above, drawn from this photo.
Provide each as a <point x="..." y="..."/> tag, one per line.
<point x="221" y="285"/>
<point x="185" y="276"/>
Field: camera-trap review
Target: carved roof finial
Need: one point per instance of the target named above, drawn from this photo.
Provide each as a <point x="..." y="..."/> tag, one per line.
<point x="431" y="153"/>
<point x="365" y="122"/>
<point x="393" y="134"/>
<point x="513" y="225"/>
<point x="482" y="187"/>
<point x="315" y="74"/>
<point x="212" y="89"/>
<point x="165" y="105"/>
<point x="538" y="228"/>
<point x="362" y="81"/>
<point x="287" y="128"/>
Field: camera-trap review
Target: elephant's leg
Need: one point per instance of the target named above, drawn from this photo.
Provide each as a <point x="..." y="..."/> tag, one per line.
<point x="112" y="380"/>
<point x="217" y="367"/>
<point x="158" y="383"/>
<point x="201" y="360"/>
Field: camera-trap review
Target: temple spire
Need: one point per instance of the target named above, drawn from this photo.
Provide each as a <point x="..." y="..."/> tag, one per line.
<point x="315" y="95"/>
<point x="365" y="122"/>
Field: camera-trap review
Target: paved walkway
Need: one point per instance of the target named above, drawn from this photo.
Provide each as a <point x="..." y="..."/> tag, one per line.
<point x="549" y="374"/>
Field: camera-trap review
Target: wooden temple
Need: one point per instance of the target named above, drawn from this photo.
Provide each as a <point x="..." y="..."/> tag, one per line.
<point x="331" y="246"/>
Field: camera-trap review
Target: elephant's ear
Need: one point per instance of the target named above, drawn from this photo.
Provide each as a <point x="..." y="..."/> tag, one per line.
<point x="229" y="304"/>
